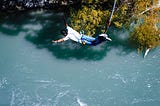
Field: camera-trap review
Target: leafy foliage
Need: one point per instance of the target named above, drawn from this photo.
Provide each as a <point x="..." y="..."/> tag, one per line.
<point x="147" y="33"/>
<point x="93" y="15"/>
<point x="89" y="20"/>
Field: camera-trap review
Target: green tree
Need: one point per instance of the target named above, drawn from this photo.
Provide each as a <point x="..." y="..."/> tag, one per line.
<point x="146" y="33"/>
<point x="89" y="20"/>
<point x="93" y="15"/>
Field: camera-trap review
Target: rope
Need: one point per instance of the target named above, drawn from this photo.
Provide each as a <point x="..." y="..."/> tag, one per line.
<point x="108" y="23"/>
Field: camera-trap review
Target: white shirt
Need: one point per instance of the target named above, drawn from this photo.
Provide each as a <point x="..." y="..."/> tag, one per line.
<point x="73" y="35"/>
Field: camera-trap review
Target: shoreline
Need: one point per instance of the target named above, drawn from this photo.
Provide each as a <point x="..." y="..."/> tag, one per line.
<point x="21" y="5"/>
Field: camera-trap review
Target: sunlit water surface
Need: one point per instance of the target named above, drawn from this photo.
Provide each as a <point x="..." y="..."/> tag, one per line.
<point x="35" y="72"/>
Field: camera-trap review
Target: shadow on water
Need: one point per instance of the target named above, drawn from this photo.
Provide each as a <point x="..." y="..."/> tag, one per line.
<point x="10" y="24"/>
<point x="41" y="27"/>
<point x="66" y="50"/>
<point x="120" y="40"/>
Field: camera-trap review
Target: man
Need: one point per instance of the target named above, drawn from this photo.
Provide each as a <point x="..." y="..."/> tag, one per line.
<point x="72" y="34"/>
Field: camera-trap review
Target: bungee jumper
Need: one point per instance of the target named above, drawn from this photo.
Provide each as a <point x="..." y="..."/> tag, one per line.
<point x="70" y="33"/>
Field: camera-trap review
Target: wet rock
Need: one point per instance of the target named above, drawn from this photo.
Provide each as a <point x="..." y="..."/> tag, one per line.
<point x="31" y="4"/>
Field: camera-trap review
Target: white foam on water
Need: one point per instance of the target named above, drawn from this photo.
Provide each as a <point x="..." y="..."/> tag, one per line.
<point x="59" y="96"/>
<point x="3" y="82"/>
<point x="149" y="85"/>
<point x="35" y="27"/>
<point x="43" y="81"/>
<point x="81" y="103"/>
<point x="58" y="92"/>
<point x="12" y="99"/>
<point x="47" y="15"/>
<point x="21" y="97"/>
<point x="38" y="12"/>
<point x="10" y="27"/>
<point x="118" y="77"/>
<point x="143" y="100"/>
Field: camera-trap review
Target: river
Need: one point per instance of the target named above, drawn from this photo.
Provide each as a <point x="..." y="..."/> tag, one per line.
<point x="35" y="72"/>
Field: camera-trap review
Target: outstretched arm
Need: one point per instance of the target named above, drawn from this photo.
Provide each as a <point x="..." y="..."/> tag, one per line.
<point x="59" y="40"/>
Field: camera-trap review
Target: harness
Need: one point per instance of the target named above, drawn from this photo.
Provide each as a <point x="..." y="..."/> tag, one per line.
<point x="81" y="40"/>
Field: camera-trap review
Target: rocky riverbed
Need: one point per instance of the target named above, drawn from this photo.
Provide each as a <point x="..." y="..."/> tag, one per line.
<point x="31" y="4"/>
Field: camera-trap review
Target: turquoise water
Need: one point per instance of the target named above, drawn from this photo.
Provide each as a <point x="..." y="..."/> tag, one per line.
<point x="35" y="72"/>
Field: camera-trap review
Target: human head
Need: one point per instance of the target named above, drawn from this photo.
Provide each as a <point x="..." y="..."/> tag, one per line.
<point x="64" y="32"/>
